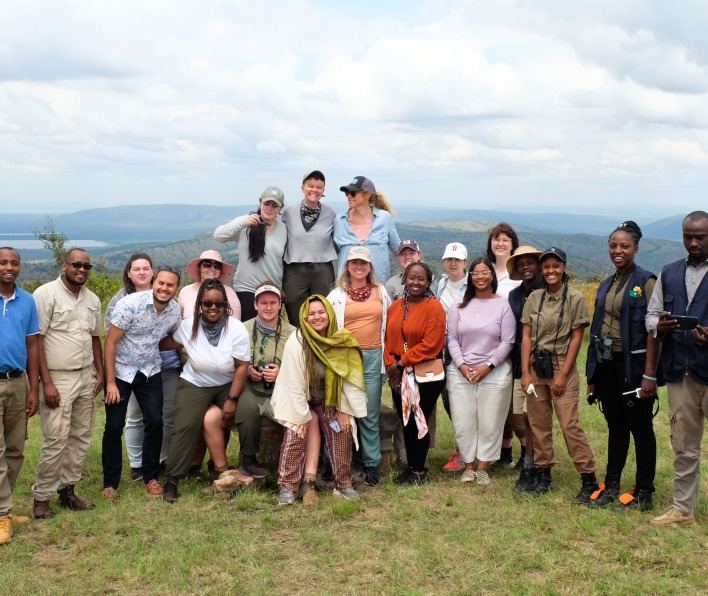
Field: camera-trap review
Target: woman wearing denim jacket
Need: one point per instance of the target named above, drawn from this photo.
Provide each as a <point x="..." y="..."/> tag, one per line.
<point x="368" y="222"/>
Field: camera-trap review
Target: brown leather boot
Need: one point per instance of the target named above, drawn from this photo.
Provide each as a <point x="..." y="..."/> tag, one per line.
<point x="68" y="499"/>
<point x="309" y="494"/>
<point x="42" y="510"/>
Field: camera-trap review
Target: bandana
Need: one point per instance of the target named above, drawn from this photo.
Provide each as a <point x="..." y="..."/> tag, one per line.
<point x="309" y="215"/>
<point x="212" y="331"/>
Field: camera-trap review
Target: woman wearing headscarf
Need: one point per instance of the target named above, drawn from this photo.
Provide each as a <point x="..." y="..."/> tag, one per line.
<point x="209" y="265"/>
<point x="617" y="365"/>
<point x="367" y="222"/>
<point x="310" y="253"/>
<point x="480" y="335"/>
<point x="320" y="389"/>
<point x="554" y="319"/>
<point x="360" y="305"/>
<point x="213" y="377"/>
<point x="415" y="332"/>
<point x="261" y="256"/>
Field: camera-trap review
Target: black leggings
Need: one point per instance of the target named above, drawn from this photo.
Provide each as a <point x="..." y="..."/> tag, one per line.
<point x="417" y="449"/>
<point x="624" y="419"/>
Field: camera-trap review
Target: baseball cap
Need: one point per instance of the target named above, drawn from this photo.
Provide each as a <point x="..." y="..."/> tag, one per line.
<point x="553" y="251"/>
<point x="267" y="288"/>
<point x="317" y="174"/>
<point x="455" y="250"/>
<point x="273" y="193"/>
<point x="358" y="184"/>
<point x="412" y="244"/>
<point x="359" y="252"/>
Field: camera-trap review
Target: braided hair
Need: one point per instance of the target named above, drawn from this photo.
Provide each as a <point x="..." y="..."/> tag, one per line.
<point x="428" y="292"/>
<point x="209" y="284"/>
<point x="630" y="228"/>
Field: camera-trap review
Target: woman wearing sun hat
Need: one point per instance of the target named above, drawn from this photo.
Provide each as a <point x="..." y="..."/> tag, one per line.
<point x="367" y="222"/>
<point x="260" y="257"/>
<point x="208" y="265"/>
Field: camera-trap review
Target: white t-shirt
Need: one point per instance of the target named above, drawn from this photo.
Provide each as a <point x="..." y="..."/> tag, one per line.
<point x="211" y="366"/>
<point x="452" y="292"/>
<point x="505" y="285"/>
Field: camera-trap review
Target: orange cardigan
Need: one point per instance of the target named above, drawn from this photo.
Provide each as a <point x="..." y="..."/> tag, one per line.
<point x="425" y="332"/>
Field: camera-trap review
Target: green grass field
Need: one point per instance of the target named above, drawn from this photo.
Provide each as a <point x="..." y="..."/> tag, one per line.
<point x="444" y="538"/>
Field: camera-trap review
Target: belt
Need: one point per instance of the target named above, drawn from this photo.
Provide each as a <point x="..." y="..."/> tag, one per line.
<point x="11" y="374"/>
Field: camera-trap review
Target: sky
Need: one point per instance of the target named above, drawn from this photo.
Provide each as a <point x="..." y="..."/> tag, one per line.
<point x="538" y="105"/>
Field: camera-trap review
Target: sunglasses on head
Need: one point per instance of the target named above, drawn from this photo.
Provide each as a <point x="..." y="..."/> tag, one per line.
<point x="168" y="268"/>
<point x="210" y="264"/>
<point x="211" y="303"/>
<point x="84" y="266"/>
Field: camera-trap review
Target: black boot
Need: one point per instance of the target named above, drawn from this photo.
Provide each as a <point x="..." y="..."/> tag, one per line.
<point x="543" y="481"/>
<point x="637" y="499"/>
<point x="527" y="480"/>
<point x="605" y="495"/>
<point x="588" y="487"/>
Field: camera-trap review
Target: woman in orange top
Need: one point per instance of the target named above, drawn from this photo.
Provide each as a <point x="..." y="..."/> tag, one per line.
<point x="415" y="332"/>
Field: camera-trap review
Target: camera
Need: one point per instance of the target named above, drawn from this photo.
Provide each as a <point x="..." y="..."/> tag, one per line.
<point x="262" y="365"/>
<point x="603" y="348"/>
<point x="543" y="364"/>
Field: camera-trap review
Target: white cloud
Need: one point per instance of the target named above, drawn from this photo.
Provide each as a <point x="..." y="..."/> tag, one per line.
<point x="116" y="102"/>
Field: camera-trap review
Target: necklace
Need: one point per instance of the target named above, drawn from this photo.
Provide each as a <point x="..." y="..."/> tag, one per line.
<point x="359" y="294"/>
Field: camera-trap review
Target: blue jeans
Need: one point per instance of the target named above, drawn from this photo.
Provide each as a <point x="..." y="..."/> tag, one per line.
<point x="369" y="433"/>
<point x="148" y="392"/>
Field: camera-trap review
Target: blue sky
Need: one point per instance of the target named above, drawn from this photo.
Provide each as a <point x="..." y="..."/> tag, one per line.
<point x="538" y="106"/>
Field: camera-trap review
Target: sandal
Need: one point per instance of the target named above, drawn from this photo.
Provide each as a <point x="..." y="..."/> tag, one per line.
<point x="109" y="493"/>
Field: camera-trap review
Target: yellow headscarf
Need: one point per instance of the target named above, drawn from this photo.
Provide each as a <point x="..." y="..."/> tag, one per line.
<point x="338" y="351"/>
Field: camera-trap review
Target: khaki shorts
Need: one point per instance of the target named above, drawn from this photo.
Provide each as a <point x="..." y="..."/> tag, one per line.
<point x="518" y="398"/>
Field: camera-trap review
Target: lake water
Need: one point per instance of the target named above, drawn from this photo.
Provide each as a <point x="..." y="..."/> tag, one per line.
<point x="28" y="241"/>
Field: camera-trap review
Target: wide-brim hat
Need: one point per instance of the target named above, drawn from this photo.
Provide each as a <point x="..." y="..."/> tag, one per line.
<point x="209" y="255"/>
<point x="522" y="250"/>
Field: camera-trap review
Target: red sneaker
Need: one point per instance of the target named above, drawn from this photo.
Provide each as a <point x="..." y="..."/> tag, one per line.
<point x="455" y="463"/>
<point x="154" y="488"/>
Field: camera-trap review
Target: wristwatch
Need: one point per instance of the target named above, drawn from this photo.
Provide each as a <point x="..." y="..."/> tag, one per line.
<point x="233" y="398"/>
<point x="490" y="365"/>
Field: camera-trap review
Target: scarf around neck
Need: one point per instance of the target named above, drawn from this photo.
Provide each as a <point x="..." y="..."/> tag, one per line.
<point x="212" y="331"/>
<point x="338" y="351"/>
<point x="309" y="215"/>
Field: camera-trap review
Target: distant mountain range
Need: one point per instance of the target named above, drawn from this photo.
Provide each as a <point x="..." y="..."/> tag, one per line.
<point x="175" y="234"/>
<point x="150" y="223"/>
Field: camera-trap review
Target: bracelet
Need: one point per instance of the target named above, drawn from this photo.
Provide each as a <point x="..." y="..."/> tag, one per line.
<point x="648" y="378"/>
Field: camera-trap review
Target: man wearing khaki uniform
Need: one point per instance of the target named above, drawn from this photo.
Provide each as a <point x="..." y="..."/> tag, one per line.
<point x="71" y="370"/>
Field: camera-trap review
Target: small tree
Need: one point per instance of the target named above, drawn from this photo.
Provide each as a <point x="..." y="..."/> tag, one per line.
<point x="52" y="240"/>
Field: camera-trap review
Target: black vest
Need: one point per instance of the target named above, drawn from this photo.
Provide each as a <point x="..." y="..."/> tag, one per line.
<point x="632" y="328"/>
<point x="680" y="351"/>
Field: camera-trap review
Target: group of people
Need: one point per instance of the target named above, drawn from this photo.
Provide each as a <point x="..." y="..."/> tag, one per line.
<point x="498" y="337"/>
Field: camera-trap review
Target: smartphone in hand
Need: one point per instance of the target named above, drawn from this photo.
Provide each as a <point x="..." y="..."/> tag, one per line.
<point x="685" y="322"/>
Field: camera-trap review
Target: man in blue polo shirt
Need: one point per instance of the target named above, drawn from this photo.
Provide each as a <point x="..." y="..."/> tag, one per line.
<point x="19" y="355"/>
<point x="682" y="289"/>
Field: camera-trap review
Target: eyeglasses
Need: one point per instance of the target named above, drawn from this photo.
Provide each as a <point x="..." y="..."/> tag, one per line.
<point x="84" y="266"/>
<point x="211" y="303"/>
<point x="168" y="268"/>
<point x="210" y="264"/>
<point x="486" y="273"/>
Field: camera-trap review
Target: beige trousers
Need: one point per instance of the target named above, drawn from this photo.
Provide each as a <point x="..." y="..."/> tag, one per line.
<point x="13" y="432"/>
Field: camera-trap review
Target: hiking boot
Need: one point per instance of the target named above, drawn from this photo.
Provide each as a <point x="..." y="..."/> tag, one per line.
<point x="605" y="495"/>
<point x="19" y="519"/>
<point x="42" y="510"/>
<point x="469" y="475"/>
<point x="672" y="517"/>
<point x="588" y="487"/>
<point x="404" y="478"/>
<point x="5" y="530"/>
<point x="136" y="474"/>
<point x="68" y="499"/>
<point x="454" y="463"/>
<point x="252" y="468"/>
<point x="194" y="471"/>
<point x="543" y="481"/>
<point x="347" y="493"/>
<point x="309" y="493"/>
<point x="526" y="481"/>
<point x="420" y="477"/>
<point x="154" y="488"/>
<point x="286" y="497"/>
<point x="169" y="492"/>
<point x="371" y="475"/>
<point x="483" y="477"/>
<point x="636" y="499"/>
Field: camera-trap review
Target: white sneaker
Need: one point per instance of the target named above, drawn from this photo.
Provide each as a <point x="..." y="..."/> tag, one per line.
<point x="469" y="475"/>
<point x="483" y="477"/>
<point x="347" y="493"/>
